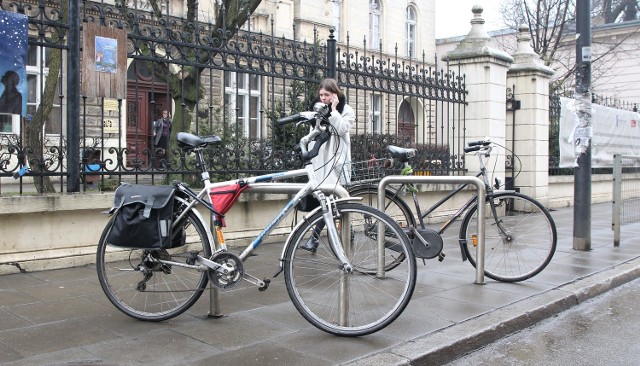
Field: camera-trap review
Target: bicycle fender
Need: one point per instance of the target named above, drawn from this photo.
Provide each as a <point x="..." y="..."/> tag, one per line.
<point x="287" y="243"/>
<point x="202" y="221"/>
<point x="504" y="191"/>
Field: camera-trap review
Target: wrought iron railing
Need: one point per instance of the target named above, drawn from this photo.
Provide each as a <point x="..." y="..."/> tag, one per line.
<point x="217" y="68"/>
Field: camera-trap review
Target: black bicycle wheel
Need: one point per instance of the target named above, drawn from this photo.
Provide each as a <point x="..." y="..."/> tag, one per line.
<point x="139" y="285"/>
<point x="524" y="248"/>
<point x="356" y="303"/>
<point x="395" y="207"/>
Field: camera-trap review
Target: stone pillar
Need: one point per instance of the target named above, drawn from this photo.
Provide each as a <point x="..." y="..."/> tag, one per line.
<point x="529" y="79"/>
<point x="485" y="71"/>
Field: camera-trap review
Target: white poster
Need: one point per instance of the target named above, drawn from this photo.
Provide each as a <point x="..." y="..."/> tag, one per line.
<point x="613" y="131"/>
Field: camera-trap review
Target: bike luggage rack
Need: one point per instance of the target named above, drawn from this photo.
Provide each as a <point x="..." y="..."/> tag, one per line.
<point x="481" y="198"/>
<point x="339" y="191"/>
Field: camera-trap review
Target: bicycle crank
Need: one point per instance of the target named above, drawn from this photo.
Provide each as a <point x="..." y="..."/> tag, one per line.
<point x="230" y="271"/>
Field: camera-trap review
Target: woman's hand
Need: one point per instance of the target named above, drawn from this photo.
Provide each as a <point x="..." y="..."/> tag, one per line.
<point x="334" y="102"/>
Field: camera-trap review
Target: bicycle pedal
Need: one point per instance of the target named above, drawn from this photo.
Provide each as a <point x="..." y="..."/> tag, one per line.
<point x="266" y="281"/>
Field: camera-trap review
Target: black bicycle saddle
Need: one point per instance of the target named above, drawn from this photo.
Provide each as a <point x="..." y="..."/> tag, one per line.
<point x="401" y="153"/>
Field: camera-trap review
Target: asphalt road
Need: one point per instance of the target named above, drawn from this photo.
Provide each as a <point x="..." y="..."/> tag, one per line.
<point x="601" y="331"/>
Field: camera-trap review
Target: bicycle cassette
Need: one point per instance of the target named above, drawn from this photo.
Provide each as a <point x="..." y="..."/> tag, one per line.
<point x="230" y="272"/>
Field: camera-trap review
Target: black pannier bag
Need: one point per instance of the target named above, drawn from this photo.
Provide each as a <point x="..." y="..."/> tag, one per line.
<point x="143" y="217"/>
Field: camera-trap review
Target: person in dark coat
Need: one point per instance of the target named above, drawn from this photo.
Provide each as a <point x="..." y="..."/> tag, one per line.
<point x="11" y="98"/>
<point x="161" y="132"/>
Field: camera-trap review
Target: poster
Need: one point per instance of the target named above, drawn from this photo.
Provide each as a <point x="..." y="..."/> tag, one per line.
<point x="612" y="131"/>
<point x="13" y="48"/>
<point x="106" y="55"/>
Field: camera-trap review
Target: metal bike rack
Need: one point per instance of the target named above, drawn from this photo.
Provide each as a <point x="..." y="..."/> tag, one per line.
<point x="283" y="188"/>
<point x="481" y="197"/>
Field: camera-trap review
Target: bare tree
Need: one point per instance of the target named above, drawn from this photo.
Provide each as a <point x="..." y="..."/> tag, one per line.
<point x="551" y="25"/>
<point x="230" y="15"/>
<point x="613" y="11"/>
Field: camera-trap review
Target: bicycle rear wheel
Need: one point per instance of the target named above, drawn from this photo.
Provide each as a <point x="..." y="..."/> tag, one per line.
<point x="356" y="303"/>
<point x="395" y="208"/>
<point x="139" y="285"/>
<point x="524" y="248"/>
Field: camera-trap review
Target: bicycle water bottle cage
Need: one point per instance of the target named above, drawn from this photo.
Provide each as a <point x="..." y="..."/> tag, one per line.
<point x="401" y="153"/>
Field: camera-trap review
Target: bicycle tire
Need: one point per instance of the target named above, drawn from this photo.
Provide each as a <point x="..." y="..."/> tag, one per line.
<point x="314" y="280"/>
<point x="528" y="250"/>
<point x="169" y="291"/>
<point x="395" y="207"/>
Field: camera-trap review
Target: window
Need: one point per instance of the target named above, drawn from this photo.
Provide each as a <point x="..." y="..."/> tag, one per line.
<point x="411" y="32"/>
<point x="37" y="72"/>
<point x="337" y="17"/>
<point x="242" y="101"/>
<point x="9" y="123"/>
<point x="375" y="113"/>
<point x="374" y="23"/>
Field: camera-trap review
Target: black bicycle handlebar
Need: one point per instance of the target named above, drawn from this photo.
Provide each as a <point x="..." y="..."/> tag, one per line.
<point x="290" y="119"/>
<point x="485" y="142"/>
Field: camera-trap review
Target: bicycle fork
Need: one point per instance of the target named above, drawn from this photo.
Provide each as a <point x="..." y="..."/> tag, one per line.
<point x="337" y="245"/>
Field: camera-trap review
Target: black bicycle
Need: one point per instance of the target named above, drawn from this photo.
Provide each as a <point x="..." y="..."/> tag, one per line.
<point x="520" y="234"/>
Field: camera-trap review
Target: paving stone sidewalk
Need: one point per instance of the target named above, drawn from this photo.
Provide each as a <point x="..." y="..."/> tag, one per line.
<point x="62" y="317"/>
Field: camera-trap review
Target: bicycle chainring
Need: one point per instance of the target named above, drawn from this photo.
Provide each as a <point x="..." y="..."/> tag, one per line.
<point x="231" y="272"/>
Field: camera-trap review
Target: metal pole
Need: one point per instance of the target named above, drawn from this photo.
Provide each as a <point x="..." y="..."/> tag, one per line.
<point x="481" y="199"/>
<point x="73" y="98"/>
<point x="583" y="131"/>
<point x="617" y="198"/>
<point x="331" y="55"/>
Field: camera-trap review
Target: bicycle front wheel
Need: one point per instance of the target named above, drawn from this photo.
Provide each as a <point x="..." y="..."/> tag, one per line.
<point x="141" y="286"/>
<point x="356" y="303"/>
<point x="520" y="237"/>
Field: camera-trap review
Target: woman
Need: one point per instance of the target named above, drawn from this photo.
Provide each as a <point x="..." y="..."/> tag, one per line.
<point x="331" y="163"/>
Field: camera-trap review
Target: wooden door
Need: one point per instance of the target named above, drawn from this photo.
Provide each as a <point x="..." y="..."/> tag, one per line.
<point x="406" y="123"/>
<point x="138" y="130"/>
<point x="143" y="108"/>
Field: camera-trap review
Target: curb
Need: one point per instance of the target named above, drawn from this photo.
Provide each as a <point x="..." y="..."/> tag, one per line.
<point x="448" y="344"/>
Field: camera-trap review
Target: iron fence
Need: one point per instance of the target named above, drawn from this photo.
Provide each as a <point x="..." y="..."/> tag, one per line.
<point x="230" y="82"/>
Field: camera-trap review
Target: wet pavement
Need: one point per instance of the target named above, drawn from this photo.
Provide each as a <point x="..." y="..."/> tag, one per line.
<point x="62" y="317"/>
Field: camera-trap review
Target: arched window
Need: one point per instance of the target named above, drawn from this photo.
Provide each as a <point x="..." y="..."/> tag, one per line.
<point x="406" y="122"/>
<point x="375" y="13"/>
<point x="411" y="32"/>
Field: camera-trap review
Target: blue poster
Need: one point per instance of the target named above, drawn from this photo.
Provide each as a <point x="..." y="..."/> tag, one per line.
<point x="106" y="55"/>
<point x="13" y="48"/>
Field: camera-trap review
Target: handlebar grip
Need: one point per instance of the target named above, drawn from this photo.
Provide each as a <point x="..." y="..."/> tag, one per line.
<point x="477" y="143"/>
<point x="321" y="139"/>
<point x="472" y="148"/>
<point x="290" y="119"/>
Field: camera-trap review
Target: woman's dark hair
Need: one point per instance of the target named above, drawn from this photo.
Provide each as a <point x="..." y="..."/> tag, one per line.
<point x="330" y="85"/>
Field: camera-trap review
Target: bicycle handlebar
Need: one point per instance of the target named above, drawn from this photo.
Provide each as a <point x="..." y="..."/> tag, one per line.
<point x="477" y="145"/>
<point x="472" y="148"/>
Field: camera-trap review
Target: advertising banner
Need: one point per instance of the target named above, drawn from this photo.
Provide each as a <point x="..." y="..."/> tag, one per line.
<point x="13" y="48"/>
<point x="612" y="131"/>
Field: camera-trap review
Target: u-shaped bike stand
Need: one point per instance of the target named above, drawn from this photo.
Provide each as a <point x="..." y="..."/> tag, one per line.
<point x="481" y="197"/>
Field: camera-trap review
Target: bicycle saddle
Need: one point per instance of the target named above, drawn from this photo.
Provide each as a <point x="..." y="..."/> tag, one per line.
<point x="190" y="141"/>
<point x="401" y="153"/>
